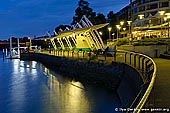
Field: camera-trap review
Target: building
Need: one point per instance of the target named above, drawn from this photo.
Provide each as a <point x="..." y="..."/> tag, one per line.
<point x="149" y="7"/>
<point x="149" y="17"/>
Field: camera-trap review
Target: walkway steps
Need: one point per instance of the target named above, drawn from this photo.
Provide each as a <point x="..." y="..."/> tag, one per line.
<point x="162" y="84"/>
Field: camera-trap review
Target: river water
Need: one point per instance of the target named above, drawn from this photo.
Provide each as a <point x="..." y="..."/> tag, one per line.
<point x="30" y="87"/>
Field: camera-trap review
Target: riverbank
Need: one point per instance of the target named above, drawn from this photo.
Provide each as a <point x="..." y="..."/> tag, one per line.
<point x="85" y="71"/>
<point x="118" y="77"/>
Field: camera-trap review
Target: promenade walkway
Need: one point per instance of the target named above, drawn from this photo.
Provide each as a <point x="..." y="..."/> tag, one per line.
<point x="162" y="84"/>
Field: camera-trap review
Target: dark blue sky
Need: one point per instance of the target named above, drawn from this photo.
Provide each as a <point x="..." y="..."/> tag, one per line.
<point x="20" y="18"/>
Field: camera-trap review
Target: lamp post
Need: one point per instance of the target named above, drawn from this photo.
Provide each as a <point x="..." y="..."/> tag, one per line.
<point x="121" y="24"/>
<point x="118" y="28"/>
<point x="124" y="29"/>
<point x="141" y="16"/>
<point x="109" y="29"/>
<point x="113" y="34"/>
<point x="168" y="17"/>
<point x="165" y="19"/>
<point x="161" y="14"/>
<point x="30" y="42"/>
<point x="129" y="24"/>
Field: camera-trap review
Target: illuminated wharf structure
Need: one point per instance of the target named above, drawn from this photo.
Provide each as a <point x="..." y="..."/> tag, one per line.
<point x="82" y="36"/>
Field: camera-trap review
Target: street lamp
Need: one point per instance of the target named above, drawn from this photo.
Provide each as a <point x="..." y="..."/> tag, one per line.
<point x="113" y="34"/>
<point x="165" y="19"/>
<point x="109" y="32"/>
<point x="124" y="29"/>
<point x="29" y="38"/>
<point x="161" y="16"/>
<point x="141" y="16"/>
<point x="168" y="17"/>
<point x="121" y="23"/>
<point x="118" y="28"/>
<point x="129" y="24"/>
<point x="161" y="13"/>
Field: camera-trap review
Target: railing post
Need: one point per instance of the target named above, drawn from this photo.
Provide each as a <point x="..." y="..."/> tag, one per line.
<point x="61" y="52"/>
<point x="89" y="55"/>
<point x="134" y="60"/>
<point x="143" y="65"/>
<point x="125" y="56"/>
<point x="115" y="55"/>
<point x="105" y="55"/>
<point x="146" y="69"/>
<point x="139" y="62"/>
<point x="130" y="58"/>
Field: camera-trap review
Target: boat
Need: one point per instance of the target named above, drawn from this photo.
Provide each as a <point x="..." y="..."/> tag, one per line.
<point x="15" y="52"/>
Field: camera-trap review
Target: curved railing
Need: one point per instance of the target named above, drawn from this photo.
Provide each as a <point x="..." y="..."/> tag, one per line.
<point x="147" y="68"/>
<point x="143" y="63"/>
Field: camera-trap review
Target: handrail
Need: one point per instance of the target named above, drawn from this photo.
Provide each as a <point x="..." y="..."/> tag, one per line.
<point x="149" y="89"/>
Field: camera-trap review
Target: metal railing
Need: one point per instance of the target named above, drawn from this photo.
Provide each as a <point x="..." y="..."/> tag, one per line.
<point x="143" y="63"/>
<point x="147" y="67"/>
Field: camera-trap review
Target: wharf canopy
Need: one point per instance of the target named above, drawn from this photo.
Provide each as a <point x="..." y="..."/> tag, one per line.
<point x="83" y="36"/>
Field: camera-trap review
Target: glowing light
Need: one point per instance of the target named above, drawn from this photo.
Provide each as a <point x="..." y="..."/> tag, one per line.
<point x="121" y="23"/>
<point x="141" y="16"/>
<point x="118" y="27"/>
<point x="161" y="12"/>
<point x="129" y="22"/>
<point x="109" y="28"/>
<point x="100" y="33"/>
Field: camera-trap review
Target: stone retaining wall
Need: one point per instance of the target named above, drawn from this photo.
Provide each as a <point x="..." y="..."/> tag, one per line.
<point x="116" y="76"/>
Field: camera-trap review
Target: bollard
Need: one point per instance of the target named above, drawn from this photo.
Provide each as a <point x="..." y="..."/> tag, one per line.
<point x="63" y="53"/>
<point x="6" y="52"/>
<point x="3" y="53"/>
<point x="90" y="55"/>
<point x="83" y="54"/>
<point x="73" y="53"/>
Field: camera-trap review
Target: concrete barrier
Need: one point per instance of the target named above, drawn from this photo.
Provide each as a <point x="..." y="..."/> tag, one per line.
<point x="152" y="50"/>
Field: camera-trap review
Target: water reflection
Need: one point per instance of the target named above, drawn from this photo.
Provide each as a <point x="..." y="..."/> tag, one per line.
<point x="18" y="88"/>
<point x="70" y="94"/>
<point x="30" y="87"/>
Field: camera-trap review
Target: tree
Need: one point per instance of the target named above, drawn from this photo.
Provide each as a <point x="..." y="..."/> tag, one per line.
<point x="83" y="9"/>
<point x="112" y="20"/>
<point x="100" y="19"/>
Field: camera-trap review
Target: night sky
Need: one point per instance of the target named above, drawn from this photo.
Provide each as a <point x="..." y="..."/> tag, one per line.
<point x="21" y="18"/>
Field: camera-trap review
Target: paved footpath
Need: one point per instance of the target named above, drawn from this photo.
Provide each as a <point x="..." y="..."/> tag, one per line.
<point x="162" y="84"/>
